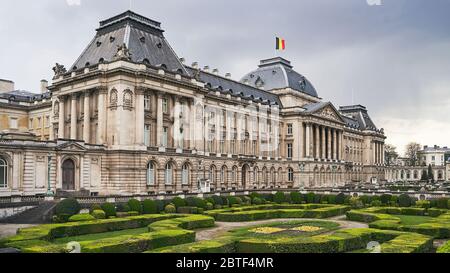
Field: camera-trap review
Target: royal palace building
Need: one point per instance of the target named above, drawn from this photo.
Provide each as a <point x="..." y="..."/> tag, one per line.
<point x="130" y="117"/>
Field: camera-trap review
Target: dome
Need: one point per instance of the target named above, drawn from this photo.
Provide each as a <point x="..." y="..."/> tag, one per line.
<point x="277" y="73"/>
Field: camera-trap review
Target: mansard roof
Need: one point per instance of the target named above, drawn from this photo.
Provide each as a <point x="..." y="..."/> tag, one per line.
<point x="278" y="73"/>
<point x="142" y="37"/>
<point x="358" y="117"/>
<point x="235" y="88"/>
<point x="24" y="96"/>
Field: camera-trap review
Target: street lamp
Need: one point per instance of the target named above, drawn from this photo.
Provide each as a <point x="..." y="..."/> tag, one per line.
<point x="49" y="187"/>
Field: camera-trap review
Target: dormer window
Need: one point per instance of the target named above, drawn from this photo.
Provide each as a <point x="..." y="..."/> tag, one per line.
<point x="101" y="60"/>
<point x="159" y="45"/>
<point x="142" y="39"/>
<point x="112" y="39"/>
<point x="99" y="43"/>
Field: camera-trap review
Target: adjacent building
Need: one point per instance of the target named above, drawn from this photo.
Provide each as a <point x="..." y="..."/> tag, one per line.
<point x="130" y="117"/>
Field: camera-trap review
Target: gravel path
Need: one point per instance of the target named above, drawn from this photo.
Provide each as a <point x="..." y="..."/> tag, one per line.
<point x="222" y="227"/>
<point x="7" y="230"/>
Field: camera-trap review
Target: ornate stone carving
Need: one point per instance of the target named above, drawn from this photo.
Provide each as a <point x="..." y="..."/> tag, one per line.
<point x="128" y="98"/>
<point x="56" y="108"/>
<point x="113" y="98"/>
<point x="328" y="113"/>
<point x="59" y="69"/>
<point x="123" y="53"/>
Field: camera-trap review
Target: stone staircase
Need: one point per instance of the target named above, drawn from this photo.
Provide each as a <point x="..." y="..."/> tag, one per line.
<point x="38" y="215"/>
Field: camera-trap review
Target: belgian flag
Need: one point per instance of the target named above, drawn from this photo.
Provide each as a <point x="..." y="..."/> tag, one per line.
<point x="280" y="44"/>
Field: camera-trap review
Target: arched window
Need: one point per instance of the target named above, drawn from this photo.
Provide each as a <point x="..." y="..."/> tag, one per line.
<point x="127" y="98"/>
<point x="3" y="173"/>
<point x="264" y="175"/>
<point x="185" y="174"/>
<point x="255" y="175"/>
<point x="212" y="174"/>
<point x="151" y="174"/>
<point x="290" y="175"/>
<point x="234" y="174"/>
<point x="168" y="174"/>
<point x="223" y="174"/>
<point x="113" y="98"/>
<point x="272" y="175"/>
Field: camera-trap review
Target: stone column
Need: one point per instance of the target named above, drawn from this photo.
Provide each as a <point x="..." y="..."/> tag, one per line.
<point x="383" y="154"/>
<point x="300" y="141"/>
<point x="239" y="133"/>
<point x="87" y="118"/>
<point x="218" y="130"/>
<point x="317" y="141"/>
<point x="328" y="143"/>
<point x="308" y="140"/>
<point x="159" y="120"/>
<point x="73" y="117"/>
<point x="140" y="116"/>
<point x="374" y="152"/>
<point x="61" y="118"/>
<point x="176" y="123"/>
<point x="101" y="128"/>
<point x="334" y="144"/>
<point x="323" y="146"/>
<point x="192" y="124"/>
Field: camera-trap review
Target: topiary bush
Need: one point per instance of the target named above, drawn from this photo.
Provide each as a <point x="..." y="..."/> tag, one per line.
<point x="331" y="199"/>
<point x="99" y="214"/>
<point x="246" y="200"/>
<point x="135" y="205"/>
<point x="178" y="202"/>
<point x="196" y="202"/>
<point x="170" y="208"/>
<point x="340" y="199"/>
<point x="81" y="217"/>
<point x="442" y="203"/>
<point x="109" y="209"/>
<point x="404" y="200"/>
<point x="310" y="197"/>
<point x="233" y="201"/>
<point x="423" y="204"/>
<point x="376" y="203"/>
<point x="210" y="200"/>
<point x="67" y="207"/>
<point x="94" y="207"/>
<point x="279" y="197"/>
<point x="256" y="201"/>
<point x="209" y="206"/>
<point x="385" y="198"/>
<point x="122" y="207"/>
<point x="217" y="200"/>
<point x="356" y="203"/>
<point x="149" y="207"/>
<point x="296" y="197"/>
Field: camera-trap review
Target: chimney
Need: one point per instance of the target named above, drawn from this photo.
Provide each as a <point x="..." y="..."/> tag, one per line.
<point x="216" y="71"/>
<point x="195" y="65"/>
<point x="206" y="68"/>
<point x="228" y="75"/>
<point x="44" y="85"/>
<point x="6" y="86"/>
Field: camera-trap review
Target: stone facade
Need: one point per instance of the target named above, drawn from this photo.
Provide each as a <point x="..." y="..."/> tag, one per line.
<point x="132" y="118"/>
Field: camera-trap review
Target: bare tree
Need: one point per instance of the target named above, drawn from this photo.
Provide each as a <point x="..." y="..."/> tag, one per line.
<point x="411" y="152"/>
<point x="390" y="152"/>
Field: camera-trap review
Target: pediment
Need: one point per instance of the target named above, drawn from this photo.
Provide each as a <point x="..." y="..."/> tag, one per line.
<point x="328" y="112"/>
<point x="71" y="146"/>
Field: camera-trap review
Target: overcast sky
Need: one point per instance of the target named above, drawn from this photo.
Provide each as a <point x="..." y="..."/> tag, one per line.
<point x="392" y="56"/>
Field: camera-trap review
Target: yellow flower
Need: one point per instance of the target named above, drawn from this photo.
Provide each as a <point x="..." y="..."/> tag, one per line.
<point x="266" y="230"/>
<point x="306" y="228"/>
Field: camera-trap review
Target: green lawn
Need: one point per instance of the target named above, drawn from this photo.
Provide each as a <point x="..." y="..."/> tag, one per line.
<point x="98" y="236"/>
<point x="414" y="220"/>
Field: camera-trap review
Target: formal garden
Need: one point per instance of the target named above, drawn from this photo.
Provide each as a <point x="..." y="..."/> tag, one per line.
<point x="270" y="223"/>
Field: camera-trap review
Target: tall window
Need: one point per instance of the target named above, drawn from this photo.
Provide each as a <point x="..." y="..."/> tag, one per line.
<point x="212" y="175"/>
<point x="289" y="129"/>
<point x="165" y="105"/>
<point x="147" y="134"/>
<point x="168" y="174"/>
<point x="147" y="102"/>
<point x="290" y="175"/>
<point x="13" y="123"/>
<point x="150" y="174"/>
<point x="223" y="174"/>
<point x="234" y="175"/>
<point x="255" y="175"/>
<point x="289" y="150"/>
<point x="165" y="136"/>
<point x="185" y="174"/>
<point x="3" y="173"/>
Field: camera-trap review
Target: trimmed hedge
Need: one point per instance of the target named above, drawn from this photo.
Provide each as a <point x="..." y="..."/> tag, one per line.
<point x="109" y="209"/>
<point x="135" y="205"/>
<point x="149" y="207"/>
<point x="81" y="217"/>
<point x="262" y="212"/>
<point x="99" y="214"/>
